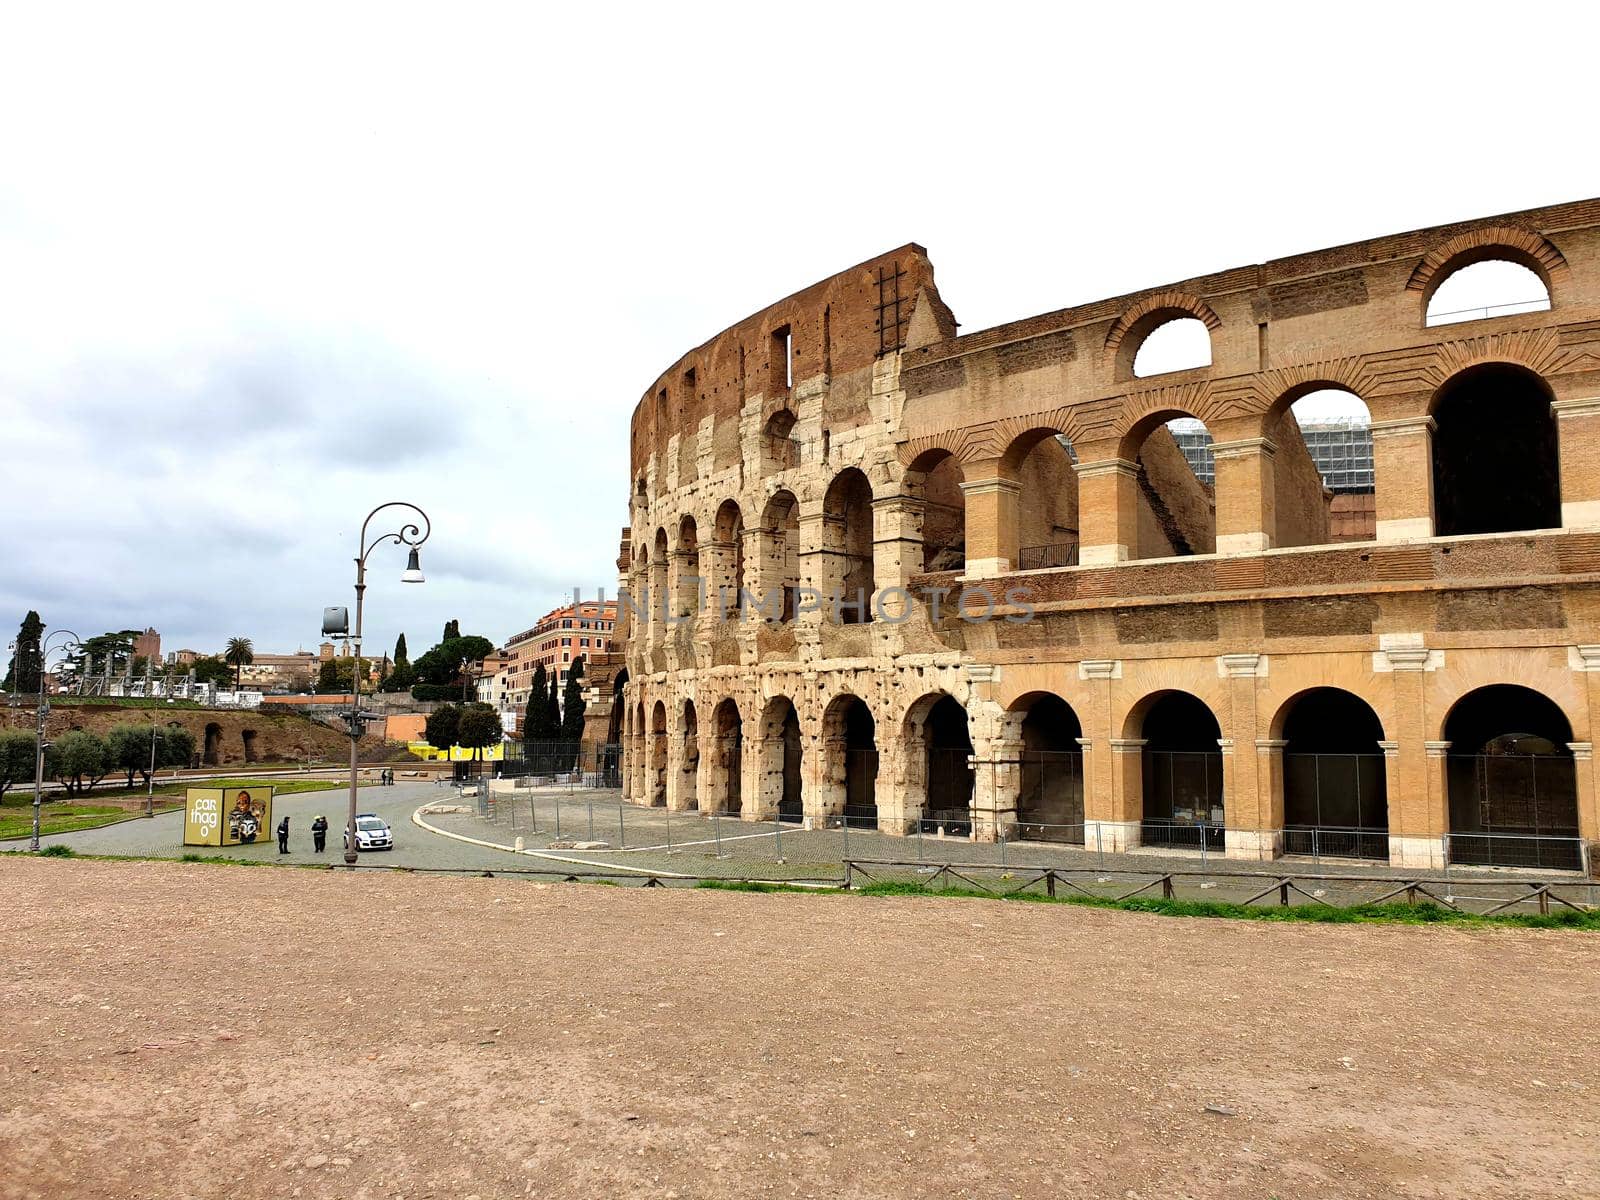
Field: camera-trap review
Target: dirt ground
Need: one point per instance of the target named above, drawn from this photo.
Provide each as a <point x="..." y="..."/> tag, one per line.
<point x="177" y="1030"/>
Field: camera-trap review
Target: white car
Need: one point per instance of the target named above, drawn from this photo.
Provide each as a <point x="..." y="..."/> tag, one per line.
<point x="372" y="833"/>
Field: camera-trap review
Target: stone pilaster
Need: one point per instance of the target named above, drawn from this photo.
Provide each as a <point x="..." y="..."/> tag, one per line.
<point x="1246" y="494"/>
<point x="1402" y="452"/>
<point x="1108" y="511"/>
<point x="1578" y="435"/>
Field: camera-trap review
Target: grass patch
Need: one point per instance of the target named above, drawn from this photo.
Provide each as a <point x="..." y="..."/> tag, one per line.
<point x="16" y="817"/>
<point x="58" y="851"/>
<point x="1319" y="914"/>
<point x="757" y="885"/>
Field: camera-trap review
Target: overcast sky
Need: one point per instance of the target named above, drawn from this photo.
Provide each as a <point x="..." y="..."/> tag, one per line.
<point x="264" y="267"/>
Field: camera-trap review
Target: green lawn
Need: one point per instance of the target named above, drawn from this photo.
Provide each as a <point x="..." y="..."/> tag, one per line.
<point x="16" y="816"/>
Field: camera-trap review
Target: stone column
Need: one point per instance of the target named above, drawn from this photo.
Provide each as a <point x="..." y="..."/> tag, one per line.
<point x="1108" y="511"/>
<point x="1246" y="493"/>
<point x="1402" y="455"/>
<point x="1583" y="774"/>
<point x="992" y="498"/>
<point x="1253" y="829"/>
<point x="1269" y="784"/>
<point x="995" y="781"/>
<point x="896" y="547"/>
<point x="1578" y="435"/>
<point x="761" y="788"/>
<point x="1122" y="831"/>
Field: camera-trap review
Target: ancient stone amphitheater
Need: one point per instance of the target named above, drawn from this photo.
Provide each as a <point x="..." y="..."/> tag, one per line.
<point x="1073" y="592"/>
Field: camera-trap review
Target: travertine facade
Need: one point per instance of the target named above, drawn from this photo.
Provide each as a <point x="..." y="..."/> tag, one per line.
<point x="847" y="438"/>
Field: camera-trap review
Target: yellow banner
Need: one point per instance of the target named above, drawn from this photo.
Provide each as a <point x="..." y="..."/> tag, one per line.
<point x="236" y="816"/>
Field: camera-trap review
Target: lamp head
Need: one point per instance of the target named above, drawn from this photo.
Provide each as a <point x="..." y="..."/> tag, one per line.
<point x="413" y="572"/>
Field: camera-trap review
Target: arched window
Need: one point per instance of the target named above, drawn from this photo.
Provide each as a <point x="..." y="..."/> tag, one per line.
<point x="687" y="589"/>
<point x="1494" y="287"/>
<point x="727" y="565"/>
<point x="847" y="546"/>
<point x="1512" y="780"/>
<point x="780" y="556"/>
<point x="935" y="480"/>
<point x="1050" y="768"/>
<point x="1335" y="788"/>
<point x="1180" y="344"/>
<point x="1323" y="473"/>
<point x="1042" y="463"/>
<point x="779" y="448"/>
<point x="1495" y="461"/>
<point x="1182" y="772"/>
<point x="850" y="762"/>
<point x="1177" y="508"/>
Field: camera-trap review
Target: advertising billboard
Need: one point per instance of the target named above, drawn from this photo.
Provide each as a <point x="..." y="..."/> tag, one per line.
<point x="235" y="816"/>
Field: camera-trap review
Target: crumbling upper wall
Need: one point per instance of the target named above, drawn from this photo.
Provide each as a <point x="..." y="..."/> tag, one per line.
<point x="837" y="328"/>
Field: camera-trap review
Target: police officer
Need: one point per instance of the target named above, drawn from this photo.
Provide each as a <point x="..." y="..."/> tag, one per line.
<point x="319" y="833"/>
<point x="283" y="836"/>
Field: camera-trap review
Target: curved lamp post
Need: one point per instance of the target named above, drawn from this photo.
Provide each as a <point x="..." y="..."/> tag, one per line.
<point x="412" y="535"/>
<point x="73" y="642"/>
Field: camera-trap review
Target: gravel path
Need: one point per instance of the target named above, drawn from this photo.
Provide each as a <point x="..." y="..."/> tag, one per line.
<point x="200" y="1031"/>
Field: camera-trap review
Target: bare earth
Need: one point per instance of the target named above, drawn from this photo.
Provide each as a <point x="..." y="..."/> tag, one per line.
<point x="182" y="1030"/>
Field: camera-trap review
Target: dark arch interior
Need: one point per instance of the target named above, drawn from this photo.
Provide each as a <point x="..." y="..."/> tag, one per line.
<point x="1182" y="773"/>
<point x="688" y="784"/>
<point x="213" y="746"/>
<point x="1511" y="780"/>
<point x="248" y="737"/>
<point x="949" y="746"/>
<point x="1335" y="787"/>
<point x="1050" y="792"/>
<point x="790" y="804"/>
<point x="1495" y="462"/>
<point x="658" y="756"/>
<point x="860" y="763"/>
<point x="730" y="748"/>
<point x="847" y="510"/>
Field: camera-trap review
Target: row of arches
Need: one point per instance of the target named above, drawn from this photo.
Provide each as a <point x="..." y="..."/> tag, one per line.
<point x="1323" y="481"/>
<point x="1510" y="777"/>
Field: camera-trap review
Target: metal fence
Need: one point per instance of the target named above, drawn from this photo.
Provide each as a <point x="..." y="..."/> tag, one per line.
<point x="1039" y="558"/>
<point x="1183" y="799"/>
<point x="1513" y="810"/>
<point x="560" y="764"/>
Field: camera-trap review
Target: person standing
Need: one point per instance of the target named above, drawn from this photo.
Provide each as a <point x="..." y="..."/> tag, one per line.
<point x="319" y="833"/>
<point x="283" y="836"/>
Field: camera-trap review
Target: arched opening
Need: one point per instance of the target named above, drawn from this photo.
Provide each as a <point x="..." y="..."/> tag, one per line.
<point x="689" y="761"/>
<point x="1177" y="508"/>
<point x="934" y="480"/>
<point x="213" y="745"/>
<point x="1049" y="768"/>
<point x="780" y="556"/>
<point x="1042" y="463"/>
<point x="1486" y="287"/>
<point x="780" y="759"/>
<point x="687" y="591"/>
<point x="727" y="567"/>
<point x="1495" y="463"/>
<point x="1182" y="773"/>
<point x="616" y="732"/>
<point x="660" y="582"/>
<point x="1322" y="469"/>
<point x="1511" y="781"/>
<point x="248" y="737"/>
<point x="850" y="762"/>
<point x="723" y="782"/>
<point x="657" y="781"/>
<point x="1335" y="788"/>
<point x="847" y="546"/>
<point x="939" y="763"/>
<point x="1179" y="343"/>
<point x="639" y="756"/>
<point x="780" y="450"/>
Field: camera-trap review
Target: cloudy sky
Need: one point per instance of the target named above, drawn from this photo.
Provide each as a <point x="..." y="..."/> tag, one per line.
<point x="264" y="267"/>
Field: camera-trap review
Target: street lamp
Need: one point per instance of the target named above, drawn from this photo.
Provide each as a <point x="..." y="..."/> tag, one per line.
<point x="72" y="643"/>
<point x="411" y="535"/>
<point x="150" y="782"/>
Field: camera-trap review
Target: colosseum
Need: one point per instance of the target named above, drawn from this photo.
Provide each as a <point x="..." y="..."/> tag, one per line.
<point x="1327" y="585"/>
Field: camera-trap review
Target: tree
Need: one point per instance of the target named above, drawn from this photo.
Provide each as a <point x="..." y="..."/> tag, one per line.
<point x="572" y="705"/>
<point x="401" y="679"/>
<point x="555" y="707"/>
<point x="536" y="717"/>
<point x="400" y="654"/>
<point x="211" y="669"/>
<point x="25" y="665"/>
<point x="479" y="726"/>
<point x="444" y="725"/>
<point x="114" y="648"/>
<point x="129" y="748"/>
<point x="452" y="630"/>
<point x="78" y="760"/>
<point x="239" y="654"/>
<point x="336" y="675"/>
<point x="441" y="666"/>
<point x="16" y="758"/>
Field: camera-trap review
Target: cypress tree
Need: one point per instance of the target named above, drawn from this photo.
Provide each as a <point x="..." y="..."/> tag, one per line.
<point x="25" y="661"/>
<point x="572" y="705"/>
<point x="536" y="717"/>
<point x="554" y="707"/>
<point x="400" y="650"/>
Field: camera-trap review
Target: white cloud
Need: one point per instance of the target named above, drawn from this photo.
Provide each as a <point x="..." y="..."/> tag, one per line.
<point x="261" y="269"/>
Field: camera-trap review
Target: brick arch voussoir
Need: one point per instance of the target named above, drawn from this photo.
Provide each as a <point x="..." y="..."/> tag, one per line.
<point x="1513" y="237"/>
<point x="1196" y="399"/>
<point x="1172" y="299"/>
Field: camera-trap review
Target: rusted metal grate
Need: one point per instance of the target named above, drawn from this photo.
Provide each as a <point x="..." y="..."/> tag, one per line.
<point x="894" y="312"/>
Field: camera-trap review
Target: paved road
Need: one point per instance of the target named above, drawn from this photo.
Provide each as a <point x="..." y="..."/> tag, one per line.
<point x="162" y="836"/>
